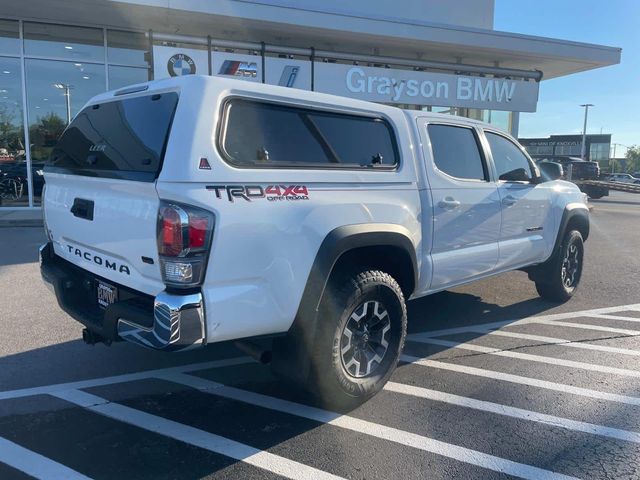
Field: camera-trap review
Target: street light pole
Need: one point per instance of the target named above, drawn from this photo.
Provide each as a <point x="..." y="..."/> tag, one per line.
<point x="67" y="95"/>
<point x="583" y="153"/>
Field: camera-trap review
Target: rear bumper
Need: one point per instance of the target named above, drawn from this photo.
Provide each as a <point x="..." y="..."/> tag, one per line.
<point x="167" y="322"/>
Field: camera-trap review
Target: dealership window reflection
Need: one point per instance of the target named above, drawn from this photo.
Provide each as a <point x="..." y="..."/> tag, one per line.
<point x="56" y="90"/>
<point x="124" y="76"/>
<point x="79" y="44"/>
<point x="14" y="189"/>
<point x="127" y="48"/>
<point x="599" y="152"/>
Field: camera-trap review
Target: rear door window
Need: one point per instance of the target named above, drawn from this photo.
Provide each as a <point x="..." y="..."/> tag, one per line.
<point x="456" y="152"/>
<point x="262" y="134"/>
<point x="122" y="139"/>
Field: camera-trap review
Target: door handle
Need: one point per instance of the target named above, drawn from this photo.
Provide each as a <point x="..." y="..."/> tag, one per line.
<point x="509" y="200"/>
<point x="449" y="203"/>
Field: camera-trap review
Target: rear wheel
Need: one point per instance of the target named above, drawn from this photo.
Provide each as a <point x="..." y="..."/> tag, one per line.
<point x="361" y="332"/>
<point x="562" y="275"/>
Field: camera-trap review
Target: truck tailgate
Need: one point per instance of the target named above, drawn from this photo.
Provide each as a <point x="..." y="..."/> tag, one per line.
<point x="106" y="227"/>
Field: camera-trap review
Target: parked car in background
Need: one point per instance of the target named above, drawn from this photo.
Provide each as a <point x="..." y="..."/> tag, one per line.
<point x="576" y="170"/>
<point x="17" y="171"/>
<point x="623" y="178"/>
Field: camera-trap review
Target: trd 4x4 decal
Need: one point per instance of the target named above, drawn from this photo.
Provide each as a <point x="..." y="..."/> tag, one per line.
<point x="273" y="193"/>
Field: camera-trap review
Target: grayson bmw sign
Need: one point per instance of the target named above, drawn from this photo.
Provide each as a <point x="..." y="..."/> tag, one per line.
<point x="181" y="64"/>
<point x="426" y="88"/>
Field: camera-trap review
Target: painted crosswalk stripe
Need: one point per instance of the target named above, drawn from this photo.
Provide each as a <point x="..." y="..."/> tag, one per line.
<point x="34" y="464"/>
<point x="533" y="358"/>
<point x="466" y="455"/>
<point x="193" y="436"/>
<point x="520" y="380"/>
<point x="562" y="342"/>
<point x="513" y="412"/>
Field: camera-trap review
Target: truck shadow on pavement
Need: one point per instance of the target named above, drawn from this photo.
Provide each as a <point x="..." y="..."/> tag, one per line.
<point x="455" y="309"/>
<point x="73" y="360"/>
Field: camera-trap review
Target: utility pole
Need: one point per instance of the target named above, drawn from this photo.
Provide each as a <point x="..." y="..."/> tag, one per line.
<point x="583" y="153"/>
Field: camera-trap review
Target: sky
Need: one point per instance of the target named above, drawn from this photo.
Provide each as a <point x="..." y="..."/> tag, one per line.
<point x="615" y="90"/>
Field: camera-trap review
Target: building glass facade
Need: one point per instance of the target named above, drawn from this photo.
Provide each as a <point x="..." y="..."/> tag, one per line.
<point x="49" y="71"/>
<point x="597" y="148"/>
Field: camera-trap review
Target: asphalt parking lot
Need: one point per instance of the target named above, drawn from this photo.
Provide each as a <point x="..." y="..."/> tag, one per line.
<point x="494" y="383"/>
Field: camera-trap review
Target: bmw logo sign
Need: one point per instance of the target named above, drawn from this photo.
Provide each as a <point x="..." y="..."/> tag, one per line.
<point x="181" y="64"/>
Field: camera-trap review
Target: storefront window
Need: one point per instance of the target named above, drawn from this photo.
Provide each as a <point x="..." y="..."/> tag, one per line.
<point x="599" y="152"/>
<point x="127" y="48"/>
<point x="9" y="37"/>
<point x="122" y="76"/>
<point x="13" y="166"/>
<point x="498" y="119"/>
<point x="60" y="41"/>
<point x="572" y="150"/>
<point x="445" y="110"/>
<point x="56" y="91"/>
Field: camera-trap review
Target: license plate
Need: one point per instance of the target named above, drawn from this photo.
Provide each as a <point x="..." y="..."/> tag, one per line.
<point x="107" y="294"/>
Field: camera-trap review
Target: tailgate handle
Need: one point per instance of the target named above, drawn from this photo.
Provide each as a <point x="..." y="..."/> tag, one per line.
<point x="82" y="208"/>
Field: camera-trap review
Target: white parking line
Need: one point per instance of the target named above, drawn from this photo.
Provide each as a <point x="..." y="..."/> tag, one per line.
<point x="513" y="412"/>
<point x="532" y="358"/>
<point x="523" y="321"/>
<point x="127" y="377"/>
<point x="532" y="382"/>
<point x="587" y="326"/>
<point x="193" y="436"/>
<point x="613" y="317"/>
<point x="562" y="341"/>
<point x="34" y="464"/>
<point x="395" y="435"/>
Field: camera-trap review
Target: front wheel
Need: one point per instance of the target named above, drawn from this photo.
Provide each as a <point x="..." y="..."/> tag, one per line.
<point x="361" y="333"/>
<point x="564" y="271"/>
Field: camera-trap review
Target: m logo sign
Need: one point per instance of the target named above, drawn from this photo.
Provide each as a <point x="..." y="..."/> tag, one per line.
<point x="181" y="64"/>
<point x="239" y="69"/>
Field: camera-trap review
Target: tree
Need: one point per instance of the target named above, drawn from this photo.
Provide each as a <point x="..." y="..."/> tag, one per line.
<point x="44" y="134"/>
<point x="633" y="158"/>
<point x="11" y="131"/>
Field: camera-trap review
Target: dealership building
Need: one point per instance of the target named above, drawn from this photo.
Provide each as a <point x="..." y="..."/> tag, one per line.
<point x="435" y="55"/>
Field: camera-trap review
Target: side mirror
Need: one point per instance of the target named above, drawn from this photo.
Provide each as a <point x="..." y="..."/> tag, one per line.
<point x="550" y="171"/>
<point x="516" y="175"/>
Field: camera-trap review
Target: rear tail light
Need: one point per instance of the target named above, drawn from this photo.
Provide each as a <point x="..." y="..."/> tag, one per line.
<point x="184" y="241"/>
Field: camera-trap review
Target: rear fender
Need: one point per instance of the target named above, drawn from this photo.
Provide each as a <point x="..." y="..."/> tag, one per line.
<point x="293" y="348"/>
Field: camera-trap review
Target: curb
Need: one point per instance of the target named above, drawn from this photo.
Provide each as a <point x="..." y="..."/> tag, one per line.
<point x="20" y="223"/>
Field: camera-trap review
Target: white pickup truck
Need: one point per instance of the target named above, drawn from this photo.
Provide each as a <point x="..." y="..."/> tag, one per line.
<point x="194" y="210"/>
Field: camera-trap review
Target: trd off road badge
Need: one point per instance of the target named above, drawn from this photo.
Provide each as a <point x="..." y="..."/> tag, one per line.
<point x="181" y="64"/>
<point x="273" y="193"/>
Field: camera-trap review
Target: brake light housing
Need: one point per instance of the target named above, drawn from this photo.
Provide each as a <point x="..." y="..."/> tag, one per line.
<point x="184" y="234"/>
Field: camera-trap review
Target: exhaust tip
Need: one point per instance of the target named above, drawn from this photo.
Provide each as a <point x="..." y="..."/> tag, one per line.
<point x="255" y="351"/>
<point x="91" y="338"/>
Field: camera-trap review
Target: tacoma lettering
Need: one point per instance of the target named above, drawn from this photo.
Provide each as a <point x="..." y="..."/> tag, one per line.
<point x="90" y="257"/>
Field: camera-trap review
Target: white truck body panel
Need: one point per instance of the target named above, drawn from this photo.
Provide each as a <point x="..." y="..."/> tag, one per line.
<point x="262" y="251"/>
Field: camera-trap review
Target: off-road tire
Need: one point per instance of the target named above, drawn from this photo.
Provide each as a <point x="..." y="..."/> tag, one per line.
<point x="554" y="285"/>
<point x="347" y="296"/>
